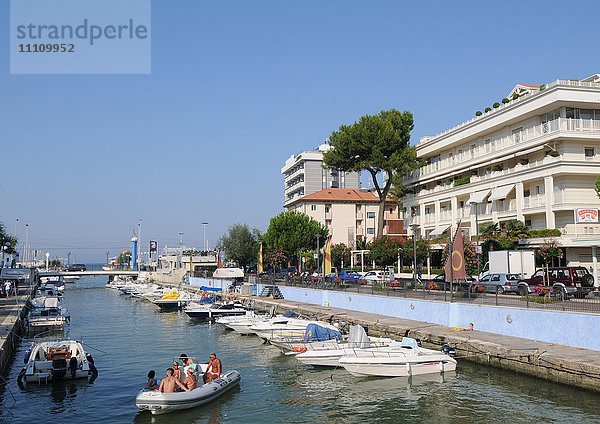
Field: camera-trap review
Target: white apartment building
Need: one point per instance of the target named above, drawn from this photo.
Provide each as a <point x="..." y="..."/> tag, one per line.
<point x="304" y="174"/>
<point x="349" y="214"/>
<point x="534" y="159"/>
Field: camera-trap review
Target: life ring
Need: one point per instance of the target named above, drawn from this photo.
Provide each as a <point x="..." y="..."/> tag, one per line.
<point x="299" y="349"/>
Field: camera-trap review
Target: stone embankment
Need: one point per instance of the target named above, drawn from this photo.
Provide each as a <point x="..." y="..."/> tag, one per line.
<point x="12" y="313"/>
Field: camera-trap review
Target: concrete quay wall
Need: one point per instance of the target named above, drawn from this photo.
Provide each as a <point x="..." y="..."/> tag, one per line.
<point x="12" y="314"/>
<point x="565" y="328"/>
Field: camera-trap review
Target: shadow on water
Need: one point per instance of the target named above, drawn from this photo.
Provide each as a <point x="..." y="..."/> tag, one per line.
<point x="212" y="413"/>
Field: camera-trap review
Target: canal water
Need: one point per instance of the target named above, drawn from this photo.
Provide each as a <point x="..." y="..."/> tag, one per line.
<point x="128" y="337"/>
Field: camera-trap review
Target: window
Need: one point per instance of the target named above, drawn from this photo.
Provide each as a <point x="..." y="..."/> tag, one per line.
<point x="327" y="209"/>
<point x="473" y="150"/>
<point x="313" y="207"/>
<point x="371" y="215"/>
<point x="589" y="153"/>
<point x="526" y="193"/>
<point x="528" y="222"/>
<point x="370" y="230"/>
<point x="572" y="113"/>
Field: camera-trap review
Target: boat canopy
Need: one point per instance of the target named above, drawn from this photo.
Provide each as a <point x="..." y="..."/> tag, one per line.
<point x="291" y="314"/>
<point x="358" y="337"/>
<point x="316" y="333"/>
<point x="228" y="273"/>
<point x="215" y="289"/>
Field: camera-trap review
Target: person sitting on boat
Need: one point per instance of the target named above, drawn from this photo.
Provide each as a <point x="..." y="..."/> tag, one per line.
<point x="177" y="371"/>
<point x="153" y="383"/>
<point x="168" y="384"/>
<point x="189" y="363"/>
<point x="191" y="382"/>
<point x="213" y="371"/>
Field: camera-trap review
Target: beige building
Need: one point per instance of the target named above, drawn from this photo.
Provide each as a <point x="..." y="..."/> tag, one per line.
<point x="534" y="158"/>
<point x="349" y="214"/>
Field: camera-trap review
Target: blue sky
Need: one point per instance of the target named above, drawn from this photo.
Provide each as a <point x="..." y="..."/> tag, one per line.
<point x="236" y="88"/>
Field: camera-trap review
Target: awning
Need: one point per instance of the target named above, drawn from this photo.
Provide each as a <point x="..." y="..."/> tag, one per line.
<point x="478" y="196"/>
<point x="500" y="193"/>
<point x="439" y="230"/>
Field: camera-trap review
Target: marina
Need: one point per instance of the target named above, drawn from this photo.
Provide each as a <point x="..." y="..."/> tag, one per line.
<point x="136" y="336"/>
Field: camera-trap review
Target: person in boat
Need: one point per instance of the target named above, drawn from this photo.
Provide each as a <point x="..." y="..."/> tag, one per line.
<point x="191" y="382"/>
<point x="169" y="383"/>
<point x="189" y="363"/>
<point x="153" y="383"/>
<point x="177" y="371"/>
<point x="213" y="371"/>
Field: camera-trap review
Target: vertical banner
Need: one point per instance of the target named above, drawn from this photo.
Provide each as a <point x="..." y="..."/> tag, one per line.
<point x="456" y="258"/>
<point x="259" y="269"/>
<point x="327" y="258"/>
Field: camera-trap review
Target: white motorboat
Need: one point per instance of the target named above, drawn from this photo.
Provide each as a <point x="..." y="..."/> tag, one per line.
<point x="285" y="327"/>
<point x="327" y="353"/>
<point x="160" y="403"/>
<point x="71" y="278"/>
<point x="175" y="300"/>
<point x="57" y="360"/>
<point x="47" y="314"/>
<point x="242" y="324"/>
<point x="407" y="360"/>
<point x="213" y="310"/>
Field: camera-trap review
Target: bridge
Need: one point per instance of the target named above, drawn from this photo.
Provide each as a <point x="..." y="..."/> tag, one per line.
<point x="83" y="273"/>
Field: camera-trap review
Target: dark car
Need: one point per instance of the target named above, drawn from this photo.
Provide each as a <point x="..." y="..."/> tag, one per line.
<point x="565" y="281"/>
<point x="439" y="283"/>
<point x="349" y="275"/>
<point x="76" y="267"/>
<point x="500" y="283"/>
<point x="285" y="272"/>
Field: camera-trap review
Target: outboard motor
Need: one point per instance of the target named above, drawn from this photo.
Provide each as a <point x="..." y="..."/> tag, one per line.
<point x="73" y="367"/>
<point x="59" y="368"/>
<point x="20" y="377"/>
<point x="93" y="370"/>
<point x="450" y="351"/>
<point x="27" y="355"/>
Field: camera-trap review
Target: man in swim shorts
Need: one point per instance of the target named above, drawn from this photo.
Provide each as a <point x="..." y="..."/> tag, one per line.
<point x="213" y="371"/>
<point x="168" y="384"/>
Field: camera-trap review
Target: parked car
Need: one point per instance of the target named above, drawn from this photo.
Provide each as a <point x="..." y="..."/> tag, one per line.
<point x="349" y="275"/>
<point x="76" y="267"/>
<point x="372" y="277"/>
<point x="285" y="272"/>
<point x="567" y="281"/>
<point x="439" y="282"/>
<point x="502" y="283"/>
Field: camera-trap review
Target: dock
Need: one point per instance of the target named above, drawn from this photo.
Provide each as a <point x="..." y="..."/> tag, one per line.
<point x="12" y="313"/>
<point x="558" y="363"/>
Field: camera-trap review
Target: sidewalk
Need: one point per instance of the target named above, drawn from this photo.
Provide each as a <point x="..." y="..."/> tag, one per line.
<point x="12" y="312"/>
<point x="559" y="363"/>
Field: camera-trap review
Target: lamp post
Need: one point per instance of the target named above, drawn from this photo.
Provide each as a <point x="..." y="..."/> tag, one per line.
<point x="477" y="236"/>
<point x="26" y="253"/>
<point x="204" y="224"/>
<point x="139" y="252"/>
<point x="414" y="233"/>
<point x="318" y="236"/>
<point x="180" y="249"/>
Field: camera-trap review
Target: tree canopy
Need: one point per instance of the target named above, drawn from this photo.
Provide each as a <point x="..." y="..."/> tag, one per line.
<point x="241" y="244"/>
<point x="378" y="144"/>
<point x="292" y="232"/>
<point x="10" y="242"/>
<point x="597" y="186"/>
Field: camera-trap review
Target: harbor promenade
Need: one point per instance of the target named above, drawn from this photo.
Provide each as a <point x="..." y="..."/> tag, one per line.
<point x="12" y="312"/>
<point x="553" y="362"/>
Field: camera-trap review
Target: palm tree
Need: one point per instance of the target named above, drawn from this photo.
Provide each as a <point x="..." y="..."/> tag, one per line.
<point x="361" y="243"/>
<point x="516" y="229"/>
<point x="489" y="230"/>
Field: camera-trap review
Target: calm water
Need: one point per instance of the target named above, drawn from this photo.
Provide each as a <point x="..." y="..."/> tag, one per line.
<point x="137" y="337"/>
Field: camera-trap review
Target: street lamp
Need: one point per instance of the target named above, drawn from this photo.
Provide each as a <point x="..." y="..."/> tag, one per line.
<point x="476" y="233"/>
<point x="318" y="236"/>
<point x="139" y="252"/>
<point x="26" y="253"/>
<point x="414" y="234"/>
<point x="204" y="224"/>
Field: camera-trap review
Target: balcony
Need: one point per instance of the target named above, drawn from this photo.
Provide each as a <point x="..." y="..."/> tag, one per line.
<point x="538" y="201"/>
<point x="506" y="142"/>
<point x="359" y="216"/>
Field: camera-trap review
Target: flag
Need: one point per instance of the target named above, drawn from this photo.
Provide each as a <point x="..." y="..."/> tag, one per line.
<point x="260" y="261"/>
<point x="456" y="259"/>
<point x="153" y="246"/>
<point x="327" y="258"/>
<point x="219" y="259"/>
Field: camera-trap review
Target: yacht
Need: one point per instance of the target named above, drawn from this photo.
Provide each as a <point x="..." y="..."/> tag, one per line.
<point x="213" y="310"/>
<point x="285" y="327"/>
<point x="406" y="360"/>
<point x="47" y="314"/>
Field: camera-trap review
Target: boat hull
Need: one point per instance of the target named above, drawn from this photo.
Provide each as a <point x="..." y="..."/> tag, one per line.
<point x="396" y="369"/>
<point x="161" y="403"/>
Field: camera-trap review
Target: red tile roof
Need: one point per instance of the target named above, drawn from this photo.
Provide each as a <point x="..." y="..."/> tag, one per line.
<point x="341" y="195"/>
<point x="530" y="85"/>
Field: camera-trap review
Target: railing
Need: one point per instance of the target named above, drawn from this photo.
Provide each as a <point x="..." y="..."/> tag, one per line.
<point x="502" y="141"/>
<point x="538" y="201"/>
<point x="459" y="293"/>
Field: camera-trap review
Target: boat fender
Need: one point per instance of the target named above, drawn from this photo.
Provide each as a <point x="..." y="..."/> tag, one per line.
<point x="89" y="358"/>
<point x="93" y="372"/>
<point x="450" y="351"/>
<point x="27" y="355"/>
<point x="20" y="377"/>
<point x="73" y="366"/>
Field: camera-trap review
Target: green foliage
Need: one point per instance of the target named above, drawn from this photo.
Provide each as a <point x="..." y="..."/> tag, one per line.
<point x="383" y="250"/>
<point x="550" y="250"/>
<point x="597" y="186"/>
<point x="515" y="96"/>
<point x="505" y="100"/>
<point x="54" y="262"/>
<point x="553" y="153"/>
<point x="376" y="144"/>
<point x="292" y="232"/>
<point x="478" y="113"/>
<point x="241" y="244"/>
<point x="496" y="105"/>
<point x="274" y="257"/>
<point x="124" y="258"/>
<point x="488" y="230"/>
<point x="470" y="256"/>
<point x="361" y="243"/>
<point x="497" y="168"/>
<point x="488" y="109"/>
<point x="516" y="229"/>
<point x="407" y="248"/>
<point x="340" y="252"/>
<point x="462" y="181"/>
<point x="542" y="87"/>
<point x="546" y="232"/>
<point x="9" y="242"/>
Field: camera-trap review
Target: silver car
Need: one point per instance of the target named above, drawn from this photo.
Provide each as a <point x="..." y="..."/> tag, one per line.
<point x="504" y="283"/>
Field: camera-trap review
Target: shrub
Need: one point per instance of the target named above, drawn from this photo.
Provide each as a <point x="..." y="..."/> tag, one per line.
<point x="496" y="105"/>
<point x="515" y="96"/>
<point x="523" y="161"/>
<point x="546" y="232"/>
<point x="505" y="100"/>
<point x="497" y="168"/>
<point x="462" y="181"/>
<point x="542" y="87"/>
<point x="553" y="153"/>
<point x="478" y="113"/>
<point x="487" y="109"/>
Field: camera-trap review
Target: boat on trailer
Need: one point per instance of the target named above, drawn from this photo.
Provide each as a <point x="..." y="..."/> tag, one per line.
<point x="160" y="403"/>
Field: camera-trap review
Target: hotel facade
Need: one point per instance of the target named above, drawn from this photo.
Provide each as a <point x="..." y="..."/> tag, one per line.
<point x="534" y="159"/>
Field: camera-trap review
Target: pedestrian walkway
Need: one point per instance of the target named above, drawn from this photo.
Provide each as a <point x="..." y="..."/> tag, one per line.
<point x="559" y="363"/>
<point x="12" y="311"/>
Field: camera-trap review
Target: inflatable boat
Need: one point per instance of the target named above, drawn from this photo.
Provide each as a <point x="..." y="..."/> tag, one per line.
<point x="160" y="403"/>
